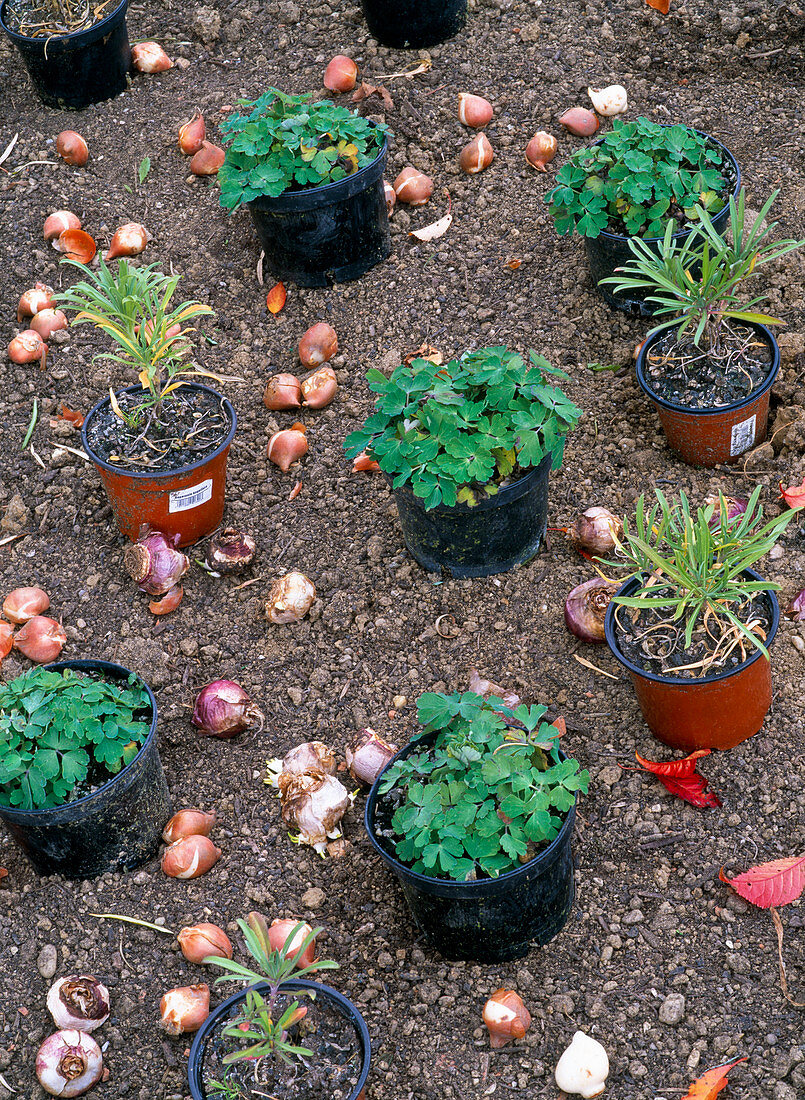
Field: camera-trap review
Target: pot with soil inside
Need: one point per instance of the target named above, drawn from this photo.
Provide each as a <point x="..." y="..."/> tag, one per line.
<point x="414" y="24"/>
<point x="311" y="176"/>
<point x="161" y="448"/>
<point x="468" y="446"/>
<point x="710" y="369"/>
<point x="74" y="56"/>
<point x="81" y="784"/>
<point x="288" y="1038"/>
<point x="475" y="818"/>
<point x="694" y="624"/>
<point x="640" y="181"/>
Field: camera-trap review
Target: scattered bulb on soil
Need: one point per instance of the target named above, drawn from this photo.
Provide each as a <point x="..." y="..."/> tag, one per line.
<point x="586" y="606"/>
<point x="192" y="134"/>
<point x="154" y="562"/>
<point x="188" y="822"/>
<point x="413" y="187"/>
<point x="200" y="941"/>
<point x="474" y="110"/>
<point x="78" y="1001"/>
<point x="149" y="57"/>
<point x="290" y="598"/>
<point x="341" y="75"/>
<point x="129" y="240"/>
<point x="609" y="101"/>
<point x="318" y="345"/>
<point x="583" y="1068"/>
<point x="287" y="446"/>
<point x="541" y="150"/>
<point x="185" y="1008"/>
<point x="230" y="551"/>
<point x="39" y="297"/>
<point x="223" y="709"/>
<point x="68" y="1063"/>
<point x="319" y="389"/>
<point x="506" y="1017"/>
<point x="476" y="156"/>
<point x="72" y="148"/>
<point x="190" y="857"/>
<point x="579" y="121"/>
<point x="283" y="391"/>
<point x="368" y="755"/>
<point x="208" y="160"/>
<point x="41" y="639"/>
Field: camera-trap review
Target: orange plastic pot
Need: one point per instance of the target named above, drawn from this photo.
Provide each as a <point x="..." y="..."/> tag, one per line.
<point x="714" y="712"/>
<point x="706" y="437"/>
<point x="188" y="502"/>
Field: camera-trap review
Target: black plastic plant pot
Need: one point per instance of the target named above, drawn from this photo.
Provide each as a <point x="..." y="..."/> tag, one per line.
<point x="219" y="1017"/>
<point x="487" y="920"/>
<point x="71" y="71"/>
<point x="414" y="23"/>
<point x="494" y="535"/>
<point x="609" y="251"/>
<point x="117" y="827"/>
<point x="328" y="234"/>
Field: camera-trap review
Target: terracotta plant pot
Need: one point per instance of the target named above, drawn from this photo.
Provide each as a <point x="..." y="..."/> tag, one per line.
<point x="705" y="437"/>
<point x="715" y="712"/>
<point x="188" y="501"/>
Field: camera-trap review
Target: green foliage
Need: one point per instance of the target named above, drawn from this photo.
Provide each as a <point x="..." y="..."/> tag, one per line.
<point x="490" y="794"/>
<point x="265" y="1032"/>
<point x="639" y="175"/>
<point x="58" y="727"/>
<point x="690" y="563"/>
<point x="135" y="307"/>
<point x="701" y="303"/>
<point x="284" y="142"/>
<point x="143" y="168"/>
<point x="448" y="430"/>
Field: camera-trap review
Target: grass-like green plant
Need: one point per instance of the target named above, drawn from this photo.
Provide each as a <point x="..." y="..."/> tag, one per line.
<point x="488" y="796"/>
<point x="638" y="176"/>
<point x="56" y="728"/>
<point x="457" y="429"/>
<point x="265" y="1031"/>
<point x="135" y="307"/>
<point x="691" y="564"/>
<point x="284" y="142"/>
<point x="701" y="302"/>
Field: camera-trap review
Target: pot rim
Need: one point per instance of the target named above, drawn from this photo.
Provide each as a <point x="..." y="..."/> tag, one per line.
<point x="717" y="410"/>
<point x="636" y="670"/>
<point x="58" y="39"/>
<point x="351" y="1010"/>
<point x="475" y="887"/>
<point x="90" y="664"/>
<point x="509" y="493"/>
<point x="680" y="233"/>
<point x="154" y="475"/>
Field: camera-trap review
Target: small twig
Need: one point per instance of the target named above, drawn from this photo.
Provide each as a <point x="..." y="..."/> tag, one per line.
<point x="778" y="926"/>
<point x="134" y="920"/>
<point x="72" y="450"/>
<point x="36" y="457"/>
<point x="594" y="668"/>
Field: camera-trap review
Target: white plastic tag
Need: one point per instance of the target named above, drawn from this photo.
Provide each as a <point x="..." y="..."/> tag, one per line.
<point x="743" y="436"/>
<point x="184" y="499"/>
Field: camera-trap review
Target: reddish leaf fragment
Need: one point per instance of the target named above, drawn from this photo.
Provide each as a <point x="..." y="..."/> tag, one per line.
<point x="681" y="778"/>
<point x="794" y="495"/>
<point x="796" y="609"/>
<point x="711" y="1083"/>
<point x="275" y="299"/>
<point x="294" y="493"/>
<point x="71" y="415"/>
<point x="3" y="872"/>
<point x="364" y="462"/>
<point x="767" y="884"/>
<point x="364" y="90"/>
<point x="662" y="6"/>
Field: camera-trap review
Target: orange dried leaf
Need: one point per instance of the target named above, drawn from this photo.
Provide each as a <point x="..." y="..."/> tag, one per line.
<point x="662" y="6"/>
<point x="775" y="883"/>
<point x="364" y="462"/>
<point x="711" y="1083"/>
<point x="275" y="298"/>
<point x="71" y="415"/>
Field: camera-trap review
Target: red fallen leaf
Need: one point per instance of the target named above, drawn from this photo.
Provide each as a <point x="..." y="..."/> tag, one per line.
<point x="767" y="884"/>
<point x="796" y="609"/>
<point x="275" y="299"/>
<point x="662" y="6"/>
<point x="794" y="495"/>
<point x="681" y="778"/>
<point x="71" y="415"/>
<point x="711" y="1083"/>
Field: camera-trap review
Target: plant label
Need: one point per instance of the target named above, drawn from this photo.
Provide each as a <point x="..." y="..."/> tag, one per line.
<point x="184" y="499"/>
<point x="743" y="436"/>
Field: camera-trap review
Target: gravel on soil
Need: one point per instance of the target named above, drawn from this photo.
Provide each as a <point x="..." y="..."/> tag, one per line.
<point x="658" y="961"/>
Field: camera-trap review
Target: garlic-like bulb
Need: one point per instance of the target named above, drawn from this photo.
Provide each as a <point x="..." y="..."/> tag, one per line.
<point x="290" y="598"/>
<point x="609" y="101"/>
<point x="310" y="756"/>
<point x="506" y="1017"/>
<point x="314" y="803"/>
<point x="368" y="755"/>
<point x="78" y="1001"/>
<point x="583" y="1068"/>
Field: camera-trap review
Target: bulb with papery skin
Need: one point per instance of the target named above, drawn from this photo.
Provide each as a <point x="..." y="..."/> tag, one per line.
<point x="320" y="388"/>
<point x="23" y="603"/>
<point x="57" y="222"/>
<point x="283" y="391"/>
<point x="318" y="345"/>
<point x="310" y="756"/>
<point x="188" y="822"/>
<point x="506" y="1018"/>
<point x="48" y="321"/>
<point x="68" y="1063"/>
<point x="368" y="755"/>
<point x="474" y="110"/>
<point x="190" y="857"/>
<point x="185" y="1008"/>
<point x="579" y="121"/>
<point x="541" y="150"/>
<point x="391" y="197"/>
<point x="586" y="607"/>
<point x="39" y="297"/>
<point x="223" y="709"/>
<point x="192" y="134"/>
<point x="476" y="156"/>
<point x="287" y="446"/>
<point x="596" y="531"/>
<point x="201" y="941"/>
<point x="280" y="934"/>
<point x="27" y="347"/>
<point x="413" y="187"/>
<point x="129" y="240"/>
<point x="154" y="562"/>
<point x="290" y="598"/>
<point x="341" y="75"/>
<point x="207" y="160"/>
<point x="230" y="551"/>
<point x="149" y="57"/>
<point x="78" y="1001"/>
<point x="41" y="639"/>
<point x="72" y="148"/>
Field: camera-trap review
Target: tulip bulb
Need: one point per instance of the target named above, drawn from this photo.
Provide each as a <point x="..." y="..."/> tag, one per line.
<point x="149" y="57"/>
<point x="319" y="389"/>
<point x="48" y="321"/>
<point x="474" y="110"/>
<point x="583" y="1068"/>
<point x="579" y="121"/>
<point x="287" y="446"/>
<point x="341" y="75"/>
<point x="28" y="347"/>
<point x="129" y="240"/>
<point x="72" y="148"/>
<point x="201" y="941"/>
<point x="609" y="101"/>
<point x="167" y="603"/>
<point x="192" y="134"/>
<point x="282" y="391"/>
<point x="290" y="598"/>
<point x="6" y="643"/>
<point x="413" y="187"/>
<point x="391" y="198"/>
<point x="34" y="300"/>
<point x="78" y="1001"/>
<point x="68" y="1063"/>
<point x="310" y="756"/>
<point x="541" y="150"/>
<point x="207" y="160"/>
<point x="185" y="1008"/>
<point x="368" y="755"/>
<point x="506" y="1017"/>
<point x="55" y="225"/>
<point x="477" y="155"/>
<point x="318" y="345"/>
<point x="279" y="935"/>
<point x="23" y="603"/>
<point x="189" y="822"/>
<point x="190" y="857"/>
<point x="41" y="639"/>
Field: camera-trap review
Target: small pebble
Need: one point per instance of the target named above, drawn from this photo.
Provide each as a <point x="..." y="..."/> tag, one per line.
<point x="313" y="898"/>
<point x="672" y="1009"/>
<point x="47" y="960"/>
